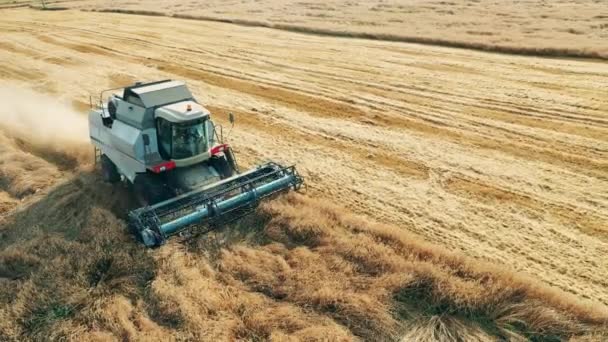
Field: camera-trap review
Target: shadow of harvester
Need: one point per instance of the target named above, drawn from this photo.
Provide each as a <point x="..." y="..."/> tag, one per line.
<point x="63" y="252"/>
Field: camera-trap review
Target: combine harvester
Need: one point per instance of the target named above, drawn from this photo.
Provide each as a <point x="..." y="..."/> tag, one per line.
<point x="162" y="142"/>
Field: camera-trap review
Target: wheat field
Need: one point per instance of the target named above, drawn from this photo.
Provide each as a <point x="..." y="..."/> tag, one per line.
<point x="576" y="28"/>
<point x="452" y="194"/>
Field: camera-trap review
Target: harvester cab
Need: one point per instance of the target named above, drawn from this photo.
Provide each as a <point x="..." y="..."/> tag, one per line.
<point x="157" y="138"/>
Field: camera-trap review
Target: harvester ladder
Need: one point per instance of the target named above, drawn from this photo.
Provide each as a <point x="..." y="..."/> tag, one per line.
<point x="97" y="154"/>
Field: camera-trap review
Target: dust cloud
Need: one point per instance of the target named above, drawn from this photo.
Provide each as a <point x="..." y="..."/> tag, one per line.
<point x="41" y="124"/>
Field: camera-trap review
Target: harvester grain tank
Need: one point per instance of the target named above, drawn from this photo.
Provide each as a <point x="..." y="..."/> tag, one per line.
<point x="157" y="138"/>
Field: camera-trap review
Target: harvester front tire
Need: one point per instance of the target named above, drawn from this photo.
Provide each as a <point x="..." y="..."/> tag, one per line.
<point x="108" y="170"/>
<point x="222" y="166"/>
<point x="150" y="190"/>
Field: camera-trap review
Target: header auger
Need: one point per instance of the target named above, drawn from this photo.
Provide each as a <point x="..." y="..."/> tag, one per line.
<point x="163" y="143"/>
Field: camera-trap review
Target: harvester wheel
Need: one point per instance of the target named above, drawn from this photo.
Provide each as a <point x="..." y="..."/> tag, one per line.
<point x="149" y="190"/>
<point x="222" y="166"/>
<point x="108" y="170"/>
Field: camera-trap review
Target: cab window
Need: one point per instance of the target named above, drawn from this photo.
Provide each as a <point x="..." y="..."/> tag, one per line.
<point x="182" y="140"/>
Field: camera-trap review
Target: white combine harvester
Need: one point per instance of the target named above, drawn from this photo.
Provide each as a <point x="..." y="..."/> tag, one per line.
<point x="160" y="140"/>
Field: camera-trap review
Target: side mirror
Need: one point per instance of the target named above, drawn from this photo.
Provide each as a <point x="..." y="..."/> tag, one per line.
<point x="146" y="139"/>
<point x="231" y="118"/>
